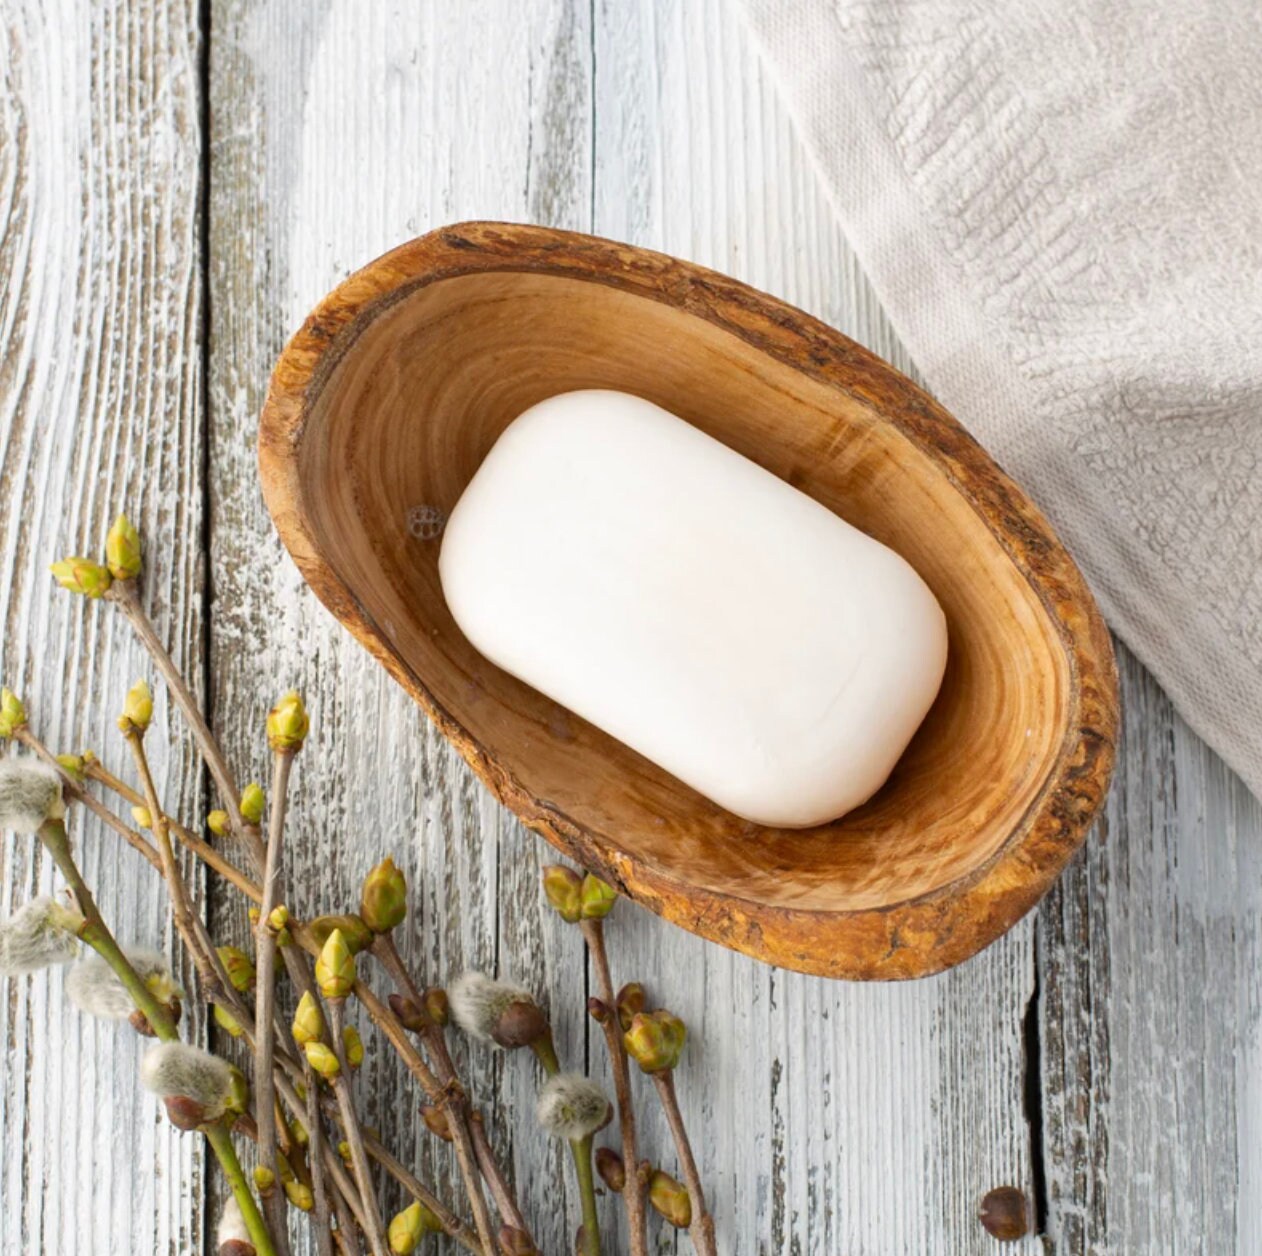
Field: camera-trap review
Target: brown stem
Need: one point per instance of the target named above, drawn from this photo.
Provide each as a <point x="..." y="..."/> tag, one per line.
<point x="203" y="850"/>
<point x="466" y="1127"/>
<point x="633" y="1187"/>
<point x="123" y="594"/>
<point x="315" y="1143"/>
<point x="265" y="967"/>
<point x="354" y="1135"/>
<point x="701" y="1228"/>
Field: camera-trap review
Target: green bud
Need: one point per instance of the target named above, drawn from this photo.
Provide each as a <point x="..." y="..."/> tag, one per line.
<point x="73" y="765"/>
<point x="298" y="1132"/>
<point x="611" y="1169"/>
<point x="12" y="713"/>
<point x="252" y="803"/>
<point x="322" y="1059"/>
<point x="299" y="1194"/>
<point x="670" y="1199"/>
<point x="628" y="1001"/>
<point x="238" y="1101"/>
<point x="384" y="901"/>
<point x="239" y="967"/>
<point x="353" y="1046"/>
<point x="137" y="709"/>
<point x="217" y="822"/>
<point x="264" y="1180"/>
<point x="344" y="1150"/>
<point x="308" y="1024"/>
<point x="142" y="817"/>
<point x="563" y="888"/>
<point x="81" y="575"/>
<point x="226" y="1021"/>
<point x="288" y="724"/>
<point x="655" y="1040"/>
<point x="410" y="1226"/>
<point x="357" y="935"/>
<point x="335" y="968"/>
<point x="122" y="549"/>
<point x="598" y="898"/>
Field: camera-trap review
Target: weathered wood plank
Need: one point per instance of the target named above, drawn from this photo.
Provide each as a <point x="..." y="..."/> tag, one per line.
<point x="99" y="409"/>
<point x="1149" y="949"/>
<point x="340" y="129"/>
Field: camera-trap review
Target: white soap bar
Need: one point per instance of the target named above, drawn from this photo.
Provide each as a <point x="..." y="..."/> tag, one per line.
<point x="694" y="606"/>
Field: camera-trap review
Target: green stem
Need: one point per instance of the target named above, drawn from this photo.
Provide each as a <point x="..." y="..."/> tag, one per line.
<point x="581" y="1148"/>
<point x="221" y="1144"/>
<point x="96" y="934"/>
<point x="546" y="1053"/>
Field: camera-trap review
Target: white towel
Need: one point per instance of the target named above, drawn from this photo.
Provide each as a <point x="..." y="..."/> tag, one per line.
<point x="1059" y="203"/>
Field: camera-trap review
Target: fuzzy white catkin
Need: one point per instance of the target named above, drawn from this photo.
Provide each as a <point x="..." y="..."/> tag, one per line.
<point x="35" y="936"/>
<point x="477" y="1002"/>
<point x="175" y="1069"/>
<point x="571" y="1107"/>
<point x="232" y="1236"/>
<point x="30" y="793"/>
<point x="93" y="986"/>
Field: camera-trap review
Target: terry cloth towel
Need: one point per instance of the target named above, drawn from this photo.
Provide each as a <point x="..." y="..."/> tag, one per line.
<point x="1059" y="203"/>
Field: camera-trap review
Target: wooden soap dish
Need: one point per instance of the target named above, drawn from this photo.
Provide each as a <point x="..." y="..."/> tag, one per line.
<point x="383" y="405"/>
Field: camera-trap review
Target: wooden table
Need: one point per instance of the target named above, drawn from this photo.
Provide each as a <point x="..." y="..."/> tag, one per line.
<point x="178" y="183"/>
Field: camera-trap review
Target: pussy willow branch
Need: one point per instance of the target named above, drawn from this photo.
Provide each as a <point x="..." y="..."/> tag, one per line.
<point x="455" y="1100"/>
<point x="350" y="1125"/>
<point x="701" y="1228"/>
<point x="96" y="934"/>
<point x="123" y="593"/>
<point x="265" y="965"/>
<point x="633" y="1186"/>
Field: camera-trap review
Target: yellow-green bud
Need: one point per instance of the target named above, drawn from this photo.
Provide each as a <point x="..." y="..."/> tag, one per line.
<point x="264" y="1180"/>
<point x="655" y="1040"/>
<point x="322" y="1059"/>
<point x="12" y="713"/>
<point x="137" y="709"/>
<point x="384" y="901"/>
<point x="142" y="817"/>
<point x="598" y="898"/>
<point x="563" y="888"/>
<point x="217" y="822"/>
<point x="353" y="1045"/>
<point x="308" y="1023"/>
<point x="298" y="1132"/>
<point x="252" y="802"/>
<point x="344" y="1150"/>
<point x="287" y="724"/>
<point x="629" y="1000"/>
<point x="73" y="765"/>
<point x="299" y="1194"/>
<point x="81" y="575"/>
<point x="670" y="1199"/>
<point x="277" y="920"/>
<point x="238" y="1100"/>
<point x="239" y="967"/>
<point x="227" y="1022"/>
<point x="122" y="549"/>
<point x="409" y="1227"/>
<point x="358" y="936"/>
<point x="335" y="968"/>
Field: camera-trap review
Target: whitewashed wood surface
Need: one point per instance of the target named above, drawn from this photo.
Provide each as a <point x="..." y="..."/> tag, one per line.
<point x="178" y="183"/>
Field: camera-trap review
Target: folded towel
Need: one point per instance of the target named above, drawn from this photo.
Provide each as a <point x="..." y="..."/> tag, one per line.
<point x="1060" y="206"/>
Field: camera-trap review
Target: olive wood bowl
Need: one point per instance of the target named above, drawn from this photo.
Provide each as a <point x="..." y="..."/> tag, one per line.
<point x="392" y="392"/>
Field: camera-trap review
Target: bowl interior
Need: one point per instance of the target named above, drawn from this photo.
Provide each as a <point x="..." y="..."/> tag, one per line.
<point x="411" y="407"/>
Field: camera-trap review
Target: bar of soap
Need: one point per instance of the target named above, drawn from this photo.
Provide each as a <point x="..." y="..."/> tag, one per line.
<point x="694" y="606"/>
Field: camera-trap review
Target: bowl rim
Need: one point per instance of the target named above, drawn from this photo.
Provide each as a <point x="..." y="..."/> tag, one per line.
<point x="912" y="938"/>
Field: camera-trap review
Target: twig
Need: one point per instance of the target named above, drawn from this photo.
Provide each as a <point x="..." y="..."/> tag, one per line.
<point x="315" y="1137"/>
<point x="97" y="935"/>
<point x="123" y="594"/>
<point x="350" y="1126"/>
<point x="701" y="1228"/>
<point x="464" y="1125"/>
<point x="633" y="1184"/>
<point x="265" y="967"/>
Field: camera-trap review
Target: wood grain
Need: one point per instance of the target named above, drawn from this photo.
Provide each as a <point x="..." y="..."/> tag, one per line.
<point x="99" y="410"/>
